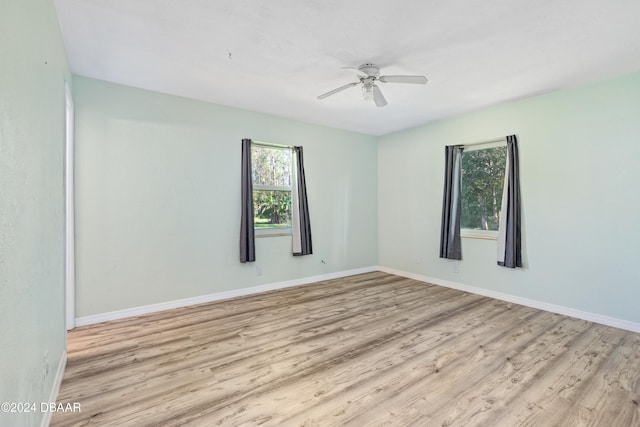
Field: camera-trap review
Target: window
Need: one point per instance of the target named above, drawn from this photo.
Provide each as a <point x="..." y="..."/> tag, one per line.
<point x="271" y="174"/>
<point x="482" y="170"/>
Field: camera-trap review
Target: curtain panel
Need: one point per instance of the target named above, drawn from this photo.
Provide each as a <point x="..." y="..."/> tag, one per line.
<point x="247" y="235"/>
<point x="509" y="236"/>
<point x="301" y="224"/>
<point x="450" y="242"/>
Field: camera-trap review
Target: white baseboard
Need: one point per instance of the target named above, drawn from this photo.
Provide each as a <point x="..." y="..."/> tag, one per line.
<point x="559" y="309"/>
<point x="137" y="311"/>
<point x="53" y="396"/>
<point x="152" y="308"/>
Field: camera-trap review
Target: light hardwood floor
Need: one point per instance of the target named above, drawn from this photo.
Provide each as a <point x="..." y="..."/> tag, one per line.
<point x="372" y="349"/>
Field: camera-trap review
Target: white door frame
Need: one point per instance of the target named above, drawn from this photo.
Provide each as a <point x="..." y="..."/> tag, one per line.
<point x="70" y="264"/>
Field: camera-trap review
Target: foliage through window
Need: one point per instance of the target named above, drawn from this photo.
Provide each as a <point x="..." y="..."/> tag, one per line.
<point x="271" y="173"/>
<point x="482" y="183"/>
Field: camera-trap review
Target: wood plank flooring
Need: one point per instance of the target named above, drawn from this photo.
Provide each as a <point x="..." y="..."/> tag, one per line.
<point x="367" y="350"/>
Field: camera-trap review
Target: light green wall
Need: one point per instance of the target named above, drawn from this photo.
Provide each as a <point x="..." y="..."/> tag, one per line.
<point x="579" y="152"/>
<point x="158" y="198"/>
<point x="32" y="75"/>
<point x="157" y="216"/>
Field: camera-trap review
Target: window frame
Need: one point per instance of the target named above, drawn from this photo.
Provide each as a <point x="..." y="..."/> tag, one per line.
<point x="470" y="233"/>
<point x="272" y="231"/>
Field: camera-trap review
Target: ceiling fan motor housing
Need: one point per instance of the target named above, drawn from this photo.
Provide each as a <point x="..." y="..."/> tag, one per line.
<point x="370" y="70"/>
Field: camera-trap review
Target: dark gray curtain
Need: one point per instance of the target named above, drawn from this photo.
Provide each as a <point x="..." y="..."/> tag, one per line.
<point x="247" y="237"/>
<point x="510" y="236"/>
<point x="450" y="242"/>
<point x="300" y="218"/>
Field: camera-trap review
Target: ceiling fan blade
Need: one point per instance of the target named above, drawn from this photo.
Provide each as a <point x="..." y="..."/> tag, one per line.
<point x="378" y="98"/>
<point x="357" y="71"/>
<point x="403" y="79"/>
<point x="341" y="88"/>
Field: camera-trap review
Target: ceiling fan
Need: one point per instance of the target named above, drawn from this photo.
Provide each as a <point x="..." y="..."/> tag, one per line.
<point x="368" y="75"/>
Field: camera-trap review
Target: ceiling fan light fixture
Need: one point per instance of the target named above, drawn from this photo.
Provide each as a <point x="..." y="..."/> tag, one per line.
<point x="367" y="92"/>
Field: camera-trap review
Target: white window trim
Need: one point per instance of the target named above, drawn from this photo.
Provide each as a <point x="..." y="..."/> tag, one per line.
<point x="485" y="145"/>
<point x="479" y="234"/>
<point x="271" y="188"/>
<point x="272" y="232"/>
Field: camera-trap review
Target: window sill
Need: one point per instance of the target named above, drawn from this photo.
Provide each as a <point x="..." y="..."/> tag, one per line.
<point x="479" y="234"/>
<point x="272" y="232"/>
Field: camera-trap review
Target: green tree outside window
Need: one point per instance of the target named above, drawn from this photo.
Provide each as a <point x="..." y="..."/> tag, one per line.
<point x="482" y="183"/>
<point x="271" y="174"/>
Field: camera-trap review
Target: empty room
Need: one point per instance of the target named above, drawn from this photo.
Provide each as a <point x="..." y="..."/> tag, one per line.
<point x="319" y="213"/>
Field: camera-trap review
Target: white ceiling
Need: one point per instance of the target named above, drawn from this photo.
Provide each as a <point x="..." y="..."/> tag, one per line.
<point x="277" y="56"/>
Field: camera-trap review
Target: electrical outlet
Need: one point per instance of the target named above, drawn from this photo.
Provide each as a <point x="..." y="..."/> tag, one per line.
<point x="258" y="271"/>
<point x="456" y="267"/>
